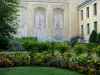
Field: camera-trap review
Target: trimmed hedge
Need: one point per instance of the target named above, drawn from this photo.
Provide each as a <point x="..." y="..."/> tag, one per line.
<point x="92" y="38"/>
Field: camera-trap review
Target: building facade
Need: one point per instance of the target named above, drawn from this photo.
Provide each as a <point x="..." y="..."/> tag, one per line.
<point x="57" y="20"/>
<point x="89" y="18"/>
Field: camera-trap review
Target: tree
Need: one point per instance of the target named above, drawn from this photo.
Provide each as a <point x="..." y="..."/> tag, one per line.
<point x="92" y="38"/>
<point x="98" y="38"/>
<point x="8" y="20"/>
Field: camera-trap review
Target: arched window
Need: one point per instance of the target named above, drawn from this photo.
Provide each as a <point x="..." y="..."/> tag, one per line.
<point x="58" y="23"/>
<point x="40" y="22"/>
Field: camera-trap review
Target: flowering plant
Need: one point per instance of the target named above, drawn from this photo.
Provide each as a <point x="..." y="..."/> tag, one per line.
<point x="5" y="62"/>
<point x="20" y="58"/>
<point x="96" y="50"/>
<point x="62" y="47"/>
<point x="79" y="48"/>
<point x="82" y="69"/>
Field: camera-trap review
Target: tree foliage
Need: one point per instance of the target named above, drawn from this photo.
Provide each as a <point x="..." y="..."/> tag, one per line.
<point x="92" y="38"/>
<point x="98" y="38"/>
<point x="8" y="18"/>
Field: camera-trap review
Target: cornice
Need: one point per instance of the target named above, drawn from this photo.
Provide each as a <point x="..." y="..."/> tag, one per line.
<point x="47" y="1"/>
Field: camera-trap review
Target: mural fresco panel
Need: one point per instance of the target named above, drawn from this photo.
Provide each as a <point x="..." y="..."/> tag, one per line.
<point x="40" y="23"/>
<point x="58" y="23"/>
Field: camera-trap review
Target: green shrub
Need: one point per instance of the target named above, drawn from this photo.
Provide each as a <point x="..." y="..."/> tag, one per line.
<point x="20" y="59"/>
<point x="98" y="38"/>
<point x="20" y="44"/>
<point x="30" y="45"/>
<point x="4" y="42"/>
<point x="79" y="48"/>
<point x="82" y="59"/>
<point x="15" y="44"/>
<point x="89" y="47"/>
<point x="38" y="58"/>
<point x="92" y="38"/>
<point x="35" y="39"/>
<point x="42" y="59"/>
<point x="52" y="47"/>
<point x="43" y="46"/>
<point x="61" y="47"/>
<point x="96" y="50"/>
<point x="94" y="59"/>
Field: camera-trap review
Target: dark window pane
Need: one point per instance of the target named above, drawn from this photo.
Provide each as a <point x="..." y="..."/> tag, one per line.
<point x="95" y="26"/>
<point x="82" y="31"/>
<point x="87" y="11"/>
<point x="81" y="14"/>
<point x="88" y="28"/>
<point x="95" y="8"/>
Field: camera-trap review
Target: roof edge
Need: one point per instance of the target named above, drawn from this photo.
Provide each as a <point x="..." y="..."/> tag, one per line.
<point x="84" y="3"/>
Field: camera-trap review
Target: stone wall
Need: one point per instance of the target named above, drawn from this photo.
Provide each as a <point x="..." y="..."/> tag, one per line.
<point x="57" y="19"/>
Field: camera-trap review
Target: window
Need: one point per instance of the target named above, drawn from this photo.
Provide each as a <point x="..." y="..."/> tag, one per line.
<point x="82" y="31"/>
<point x="87" y="11"/>
<point x="95" y="8"/>
<point x="95" y="26"/>
<point x="81" y="14"/>
<point x="88" y="28"/>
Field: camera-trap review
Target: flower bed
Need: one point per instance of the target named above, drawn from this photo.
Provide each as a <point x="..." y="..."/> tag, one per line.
<point x="82" y="58"/>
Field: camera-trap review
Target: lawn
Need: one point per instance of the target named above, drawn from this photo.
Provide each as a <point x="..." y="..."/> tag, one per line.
<point x="36" y="71"/>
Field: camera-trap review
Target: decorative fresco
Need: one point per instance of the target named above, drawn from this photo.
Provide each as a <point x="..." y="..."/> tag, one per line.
<point x="40" y="23"/>
<point x="58" y="23"/>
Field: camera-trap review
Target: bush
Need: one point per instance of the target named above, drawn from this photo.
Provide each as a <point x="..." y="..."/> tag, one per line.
<point x="44" y="46"/>
<point x="55" y="62"/>
<point x="98" y="39"/>
<point x="15" y="44"/>
<point x="96" y="50"/>
<point x="4" y="42"/>
<point x="61" y="47"/>
<point x="79" y="48"/>
<point x="20" y="59"/>
<point x="20" y="44"/>
<point x="38" y="58"/>
<point x="52" y="47"/>
<point x="30" y="45"/>
<point x="29" y="38"/>
<point x="94" y="59"/>
<point x="89" y="47"/>
<point x="5" y="62"/>
<point x="82" y="59"/>
<point x="92" y="38"/>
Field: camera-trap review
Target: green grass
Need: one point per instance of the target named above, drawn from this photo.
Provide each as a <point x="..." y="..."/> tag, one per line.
<point x="36" y="71"/>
